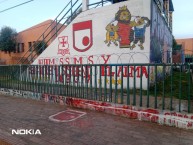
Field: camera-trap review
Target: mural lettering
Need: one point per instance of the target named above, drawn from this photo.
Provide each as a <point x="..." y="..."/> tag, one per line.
<point x="76" y="72"/>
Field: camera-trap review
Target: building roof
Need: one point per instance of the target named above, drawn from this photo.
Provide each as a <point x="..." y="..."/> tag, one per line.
<point x="39" y="25"/>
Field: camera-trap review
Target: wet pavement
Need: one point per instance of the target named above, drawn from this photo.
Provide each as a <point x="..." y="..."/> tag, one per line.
<point x="92" y="128"/>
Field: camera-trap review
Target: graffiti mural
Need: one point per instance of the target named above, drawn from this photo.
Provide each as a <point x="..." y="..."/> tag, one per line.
<point x="169" y="118"/>
<point x="140" y="25"/>
<point x="127" y="29"/>
<point x="161" y="38"/>
<point x="53" y="98"/>
<point x="19" y="93"/>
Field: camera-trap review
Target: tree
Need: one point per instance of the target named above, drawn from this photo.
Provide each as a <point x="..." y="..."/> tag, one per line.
<point x="174" y="46"/>
<point x="39" y="46"/>
<point x="7" y="39"/>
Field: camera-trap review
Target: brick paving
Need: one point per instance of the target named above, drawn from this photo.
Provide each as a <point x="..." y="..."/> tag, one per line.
<point x="94" y="128"/>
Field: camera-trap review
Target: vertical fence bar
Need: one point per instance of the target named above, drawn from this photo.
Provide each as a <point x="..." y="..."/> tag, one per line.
<point x="82" y="82"/>
<point x="105" y="83"/>
<point x="90" y="74"/>
<point x="100" y="83"/>
<point x="122" y="85"/>
<point x="189" y="87"/>
<point x="62" y="80"/>
<point x="9" y="76"/>
<point x="38" y="78"/>
<point x="76" y="74"/>
<point x="73" y="83"/>
<point x="110" y="85"/>
<point x="86" y="81"/>
<point x="53" y="79"/>
<point x="95" y="82"/>
<point x="141" y="86"/>
<point x="180" y="88"/>
<point x="134" y="86"/>
<point x="163" y="96"/>
<point x="58" y="80"/>
<point x="66" y="81"/>
<point x="155" y="90"/>
<point x="128" y="86"/>
<point x="148" y="86"/>
<point x="70" y="81"/>
<point x="49" y="80"/>
<point x="171" y="94"/>
<point x="4" y="77"/>
<point x="116" y="91"/>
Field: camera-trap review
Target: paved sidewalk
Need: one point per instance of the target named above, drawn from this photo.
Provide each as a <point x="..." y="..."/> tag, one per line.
<point x="94" y="128"/>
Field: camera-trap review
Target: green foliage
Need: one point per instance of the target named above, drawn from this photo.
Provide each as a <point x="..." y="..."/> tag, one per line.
<point x="180" y="89"/>
<point x="40" y="46"/>
<point x="7" y="39"/>
<point x="174" y="43"/>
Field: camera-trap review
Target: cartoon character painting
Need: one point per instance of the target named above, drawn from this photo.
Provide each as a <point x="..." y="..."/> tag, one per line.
<point x="140" y="24"/>
<point x="128" y="30"/>
<point x="125" y="32"/>
<point x="111" y="34"/>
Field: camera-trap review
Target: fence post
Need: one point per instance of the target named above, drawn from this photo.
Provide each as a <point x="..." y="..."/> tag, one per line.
<point x="85" y="5"/>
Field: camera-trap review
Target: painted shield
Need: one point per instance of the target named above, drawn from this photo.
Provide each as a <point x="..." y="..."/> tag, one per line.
<point x="82" y="36"/>
<point x="63" y="45"/>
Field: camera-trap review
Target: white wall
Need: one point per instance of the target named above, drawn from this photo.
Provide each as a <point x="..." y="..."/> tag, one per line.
<point x="95" y="21"/>
<point x="100" y="18"/>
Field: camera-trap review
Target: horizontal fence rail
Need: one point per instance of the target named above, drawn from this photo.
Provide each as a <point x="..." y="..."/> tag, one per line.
<point x="159" y="86"/>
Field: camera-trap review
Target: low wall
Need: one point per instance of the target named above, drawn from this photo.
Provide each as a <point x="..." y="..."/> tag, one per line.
<point x="180" y="120"/>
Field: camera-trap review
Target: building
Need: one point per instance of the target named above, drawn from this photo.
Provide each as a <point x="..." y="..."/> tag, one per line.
<point x="187" y="45"/>
<point x="178" y="54"/>
<point x="25" y="40"/>
<point x="168" y="9"/>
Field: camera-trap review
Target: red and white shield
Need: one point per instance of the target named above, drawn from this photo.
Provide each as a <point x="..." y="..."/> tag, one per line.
<point x="82" y="36"/>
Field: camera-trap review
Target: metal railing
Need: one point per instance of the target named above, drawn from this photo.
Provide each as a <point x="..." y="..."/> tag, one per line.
<point x="159" y="86"/>
<point x="64" y="18"/>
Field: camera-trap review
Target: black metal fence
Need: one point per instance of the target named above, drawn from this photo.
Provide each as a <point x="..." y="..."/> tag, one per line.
<point x="160" y="86"/>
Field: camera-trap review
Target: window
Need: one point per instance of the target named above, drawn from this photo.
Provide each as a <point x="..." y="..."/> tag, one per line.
<point x="20" y="47"/>
<point x="30" y="46"/>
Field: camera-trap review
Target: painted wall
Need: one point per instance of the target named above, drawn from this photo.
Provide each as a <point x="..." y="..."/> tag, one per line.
<point x="161" y="38"/>
<point x="118" y="33"/>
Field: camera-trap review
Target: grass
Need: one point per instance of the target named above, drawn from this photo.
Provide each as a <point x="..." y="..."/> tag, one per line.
<point x="178" y="85"/>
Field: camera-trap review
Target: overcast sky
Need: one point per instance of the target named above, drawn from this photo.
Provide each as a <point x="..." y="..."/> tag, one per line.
<point x="37" y="11"/>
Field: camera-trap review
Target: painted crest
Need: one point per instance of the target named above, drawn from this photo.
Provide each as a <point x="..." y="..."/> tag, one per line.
<point x="82" y="36"/>
<point x="63" y="46"/>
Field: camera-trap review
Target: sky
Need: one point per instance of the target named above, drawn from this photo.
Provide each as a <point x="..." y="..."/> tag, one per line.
<point x="37" y="11"/>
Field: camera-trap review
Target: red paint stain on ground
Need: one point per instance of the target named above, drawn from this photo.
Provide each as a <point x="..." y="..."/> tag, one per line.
<point x="67" y="116"/>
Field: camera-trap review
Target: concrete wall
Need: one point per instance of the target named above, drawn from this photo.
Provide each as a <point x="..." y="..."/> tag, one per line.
<point x="94" y="37"/>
